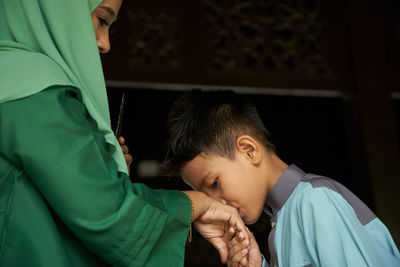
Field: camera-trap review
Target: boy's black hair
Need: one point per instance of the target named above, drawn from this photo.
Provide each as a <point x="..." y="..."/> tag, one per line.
<point x="210" y="122"/>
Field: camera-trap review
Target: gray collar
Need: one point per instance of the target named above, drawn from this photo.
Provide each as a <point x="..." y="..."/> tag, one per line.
<point x="282" y="190"/>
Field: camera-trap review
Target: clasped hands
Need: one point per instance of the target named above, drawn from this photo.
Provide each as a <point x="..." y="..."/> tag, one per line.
<point x="219" y="224"/>
<point x="223" y="227"/>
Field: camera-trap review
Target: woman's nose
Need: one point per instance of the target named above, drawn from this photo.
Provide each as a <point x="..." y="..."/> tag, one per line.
<point x="103" y="43"/>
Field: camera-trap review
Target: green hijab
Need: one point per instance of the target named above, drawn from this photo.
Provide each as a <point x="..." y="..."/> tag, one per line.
<point x="45" y="43"/>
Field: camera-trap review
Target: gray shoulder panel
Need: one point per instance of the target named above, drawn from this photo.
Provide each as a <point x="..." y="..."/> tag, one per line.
<point x="364" y="214"/>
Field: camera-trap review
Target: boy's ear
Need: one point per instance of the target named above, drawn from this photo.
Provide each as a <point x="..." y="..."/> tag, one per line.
<point x="249" y="148"/>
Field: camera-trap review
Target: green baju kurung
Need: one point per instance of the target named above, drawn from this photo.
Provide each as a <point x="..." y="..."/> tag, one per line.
<point x="63" y="201"/>
<point x="65" y="196"/>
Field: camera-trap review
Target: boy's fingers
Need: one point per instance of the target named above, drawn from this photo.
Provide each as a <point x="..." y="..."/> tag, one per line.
<point x="253" y="242"/>
<point x="238" y="251"/>
<point x="242" y="230"/>
<point x="244" y="261"/>
<point x="248" y="231"/>
<point x="230" y="234"/>
<point x="240" y="235"/>
<point x="235" y="246"/>
<point x="233" y="243"/>
<point x="236" y="221"/>
<point x="237" y="258"/>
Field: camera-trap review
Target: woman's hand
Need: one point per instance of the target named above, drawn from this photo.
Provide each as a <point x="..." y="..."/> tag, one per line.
<point x="125" y="150"/>
<point x="212" y="220"/>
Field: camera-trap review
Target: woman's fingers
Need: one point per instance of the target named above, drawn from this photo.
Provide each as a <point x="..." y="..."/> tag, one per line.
<point x="125" y="150"/>
<point x="128" y="159"/>
<point x="121" y="140"/>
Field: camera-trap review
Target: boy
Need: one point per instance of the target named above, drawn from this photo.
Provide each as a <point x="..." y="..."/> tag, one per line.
<point x="219" y="145"/>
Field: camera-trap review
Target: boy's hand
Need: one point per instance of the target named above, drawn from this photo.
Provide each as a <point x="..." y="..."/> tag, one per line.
<point x="255" y="259"/>
<point x="238" y="249"/>
<point x="241" y="253"/>
<point x="125" y="150"/>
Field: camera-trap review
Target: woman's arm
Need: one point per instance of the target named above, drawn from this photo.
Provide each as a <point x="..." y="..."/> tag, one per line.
<point x="51" y="137"/>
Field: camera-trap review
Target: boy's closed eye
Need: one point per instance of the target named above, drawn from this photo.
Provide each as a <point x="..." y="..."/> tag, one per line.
<point x="215" y="183"/>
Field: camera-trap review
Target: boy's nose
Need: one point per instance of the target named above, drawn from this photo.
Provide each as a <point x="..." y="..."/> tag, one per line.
<point x="222" y="201"/>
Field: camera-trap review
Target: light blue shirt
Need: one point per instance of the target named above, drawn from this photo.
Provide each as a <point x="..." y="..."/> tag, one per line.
<point x="318" y="222"/>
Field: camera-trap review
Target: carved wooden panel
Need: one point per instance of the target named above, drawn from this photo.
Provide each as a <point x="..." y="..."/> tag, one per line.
<point x="158" y="42"/>
<point x="272" y="35"/>
<point x="250" y="43"/>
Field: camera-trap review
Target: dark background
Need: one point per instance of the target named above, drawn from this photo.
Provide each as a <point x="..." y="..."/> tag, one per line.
<point x="323" y="75"/>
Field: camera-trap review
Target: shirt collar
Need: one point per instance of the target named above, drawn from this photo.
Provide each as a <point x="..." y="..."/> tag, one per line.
<point x="282" y="189"/>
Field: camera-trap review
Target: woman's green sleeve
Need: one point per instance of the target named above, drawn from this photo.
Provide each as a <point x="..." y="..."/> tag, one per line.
<point x="51" y="137"/>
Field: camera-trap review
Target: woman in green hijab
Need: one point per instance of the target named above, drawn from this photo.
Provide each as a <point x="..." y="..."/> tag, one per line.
<point x="65" y="196"/>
